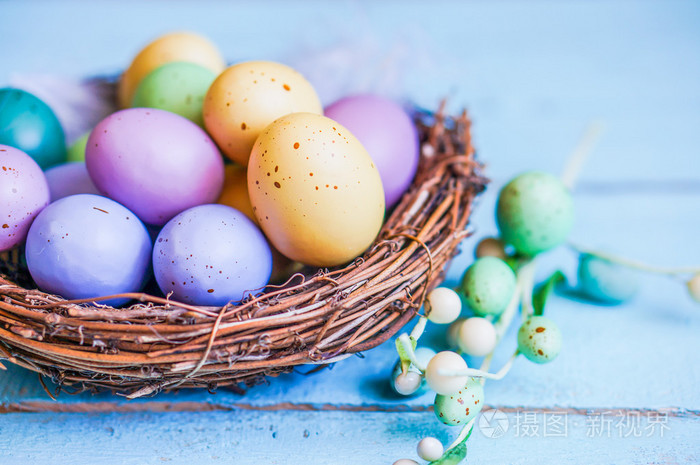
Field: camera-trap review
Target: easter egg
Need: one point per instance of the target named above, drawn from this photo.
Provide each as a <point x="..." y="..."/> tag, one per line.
<point x="211" y="255"/>
<point x="488" y="285"/>
<point x="76" y="151"/>
<point x="178" y="46"/>
<point x="235" y="191"/>
<point x="314" y="189"/>
<point x="154" y="162"/>
<point x="460" y="407"/>
<point x="388" y="134"/>
<point x="534" y="212"/>
<point x="539" y="339"/>
<point x="605" y="281"/>
<point x="69" y="179"/>
<point x="86" y="246"/>
<point x="23" y="194"/>
<point x="178" y="87"/>
<point x="28" y="124"/>
<point x="246" y="97"/>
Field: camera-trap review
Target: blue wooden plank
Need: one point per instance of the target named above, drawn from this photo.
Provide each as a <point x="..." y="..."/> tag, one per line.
<point x="254" y="437"/>
<point x="534" y="74"/>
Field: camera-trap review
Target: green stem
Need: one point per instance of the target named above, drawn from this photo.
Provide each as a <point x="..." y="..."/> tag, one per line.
<point x="408" y="347"/>
<point x="481" y="373"/>
<point x="636" y="264"/>
<point x="417" y="331"/>
<point x="464" y="434"/>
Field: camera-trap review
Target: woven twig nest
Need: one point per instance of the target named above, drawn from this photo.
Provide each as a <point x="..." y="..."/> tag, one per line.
<point x="316" y="317"/>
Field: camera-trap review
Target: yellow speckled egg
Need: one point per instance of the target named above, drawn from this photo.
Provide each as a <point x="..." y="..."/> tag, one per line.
<point x="315" y="190"/>
<point x="177" y="46"/>
<point x="235" y="191"/>
<point x="247" y="97"/>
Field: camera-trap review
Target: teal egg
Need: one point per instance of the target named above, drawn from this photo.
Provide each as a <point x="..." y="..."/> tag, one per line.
<point x="76" y="152"/>
<point x="30" y="125"/>
<point x="605" y="281"/>
<point x="535" y="212"/>
<point x="539" y="339"/>
<point x="488" y="285"/>
<point x="176" y="87"/>
<point x="460" y="407"/>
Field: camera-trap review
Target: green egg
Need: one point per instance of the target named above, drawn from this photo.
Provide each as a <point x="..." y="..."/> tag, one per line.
<point x="177" y="87"/>
<point x="28" y="124"/>
<point x="539" y="339"/>
<point x="535" y="212"/>
<point x="604" y="281"/>
<point x="76" y="152"/>
<point x="460" y="407"/>
<point x="488" y="285"/>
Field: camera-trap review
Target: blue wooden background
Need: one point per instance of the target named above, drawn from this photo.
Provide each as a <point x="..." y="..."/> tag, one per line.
<point x="535" y="75"/>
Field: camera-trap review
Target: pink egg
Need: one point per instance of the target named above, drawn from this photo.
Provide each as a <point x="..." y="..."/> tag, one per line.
<point x="23" y="194"/>
<point x="154" y="162"/>
<point x="69" y="179"/>
<point x="387" y="133"/>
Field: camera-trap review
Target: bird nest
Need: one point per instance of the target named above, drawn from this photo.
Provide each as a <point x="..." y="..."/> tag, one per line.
<point x="316" y="317"/>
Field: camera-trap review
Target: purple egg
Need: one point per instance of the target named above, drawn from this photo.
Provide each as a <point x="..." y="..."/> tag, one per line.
<point x="23" y="194"/>
<point x="86" y="246"/>
<point x="154" y="162"/>
<point x="211" y="255"/>
<point x="388" y="134"/>
<point x="69" y="179"/>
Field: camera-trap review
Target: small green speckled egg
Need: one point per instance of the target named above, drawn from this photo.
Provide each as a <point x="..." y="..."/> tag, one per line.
<point x="460" y="407"/>
<point x="539" y="339"/>
<point x="535" y="212"/>
<point x="488" y="285"/>
<point x="177" y="87"/>
<point x="605" y="281"/>
<point x="76" y="152"/>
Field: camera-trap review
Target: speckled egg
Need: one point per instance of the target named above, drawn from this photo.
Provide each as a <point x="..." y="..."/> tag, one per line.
<point x="69" y="179"/>
<point x="461" y="407"/>
<point x="315" y="190"/>
<point x="235" y="191"/>
<point x="602" y="280"/>
<point x="76" y="151"/>
<point x="154" y="162"/>
<point x="177" y="46"/>
<point x="246" y="97"/>
<point x="27" y="123"/>
<point x="24" y="192"/>
<point x="539" y="339"/>
<point x="177" y="87"/>
<point x="488" y="285"/>
<point x="388" y="134"/>
<point x="535" y="212"/>
<point x="87" y="246"/>
<point x="211" y="255"/>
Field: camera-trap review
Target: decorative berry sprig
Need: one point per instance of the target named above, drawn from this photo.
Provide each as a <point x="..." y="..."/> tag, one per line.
<point x="534" y="214"/>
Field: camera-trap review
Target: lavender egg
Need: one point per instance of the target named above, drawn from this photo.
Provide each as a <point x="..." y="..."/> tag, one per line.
<point x="23" y="194"/>
<point x="388" y="134"/>
<point x="154" y="162"/>
<point x="69" y="179"/>
<point x="211" y="255"/>
<point x="86" y="246"/>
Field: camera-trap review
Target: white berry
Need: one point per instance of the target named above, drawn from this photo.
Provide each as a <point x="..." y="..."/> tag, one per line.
<point x="407" y="383"/>
<point x="405" y="462"/>
<point x="452" y="335"/>
<point x="430" y="449"/>
<point x="490" y="247"/>
<point x="446" y="361"/>
<point x="443" y="305"/>
<point x="477" y="336"/>
<point x="694" y="287"/>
